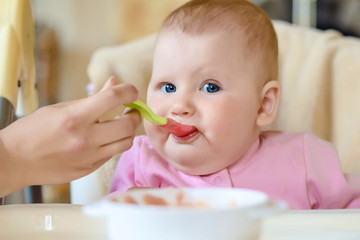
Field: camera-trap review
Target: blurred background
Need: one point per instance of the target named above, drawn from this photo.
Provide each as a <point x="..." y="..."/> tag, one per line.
<point x="68" y="32"/>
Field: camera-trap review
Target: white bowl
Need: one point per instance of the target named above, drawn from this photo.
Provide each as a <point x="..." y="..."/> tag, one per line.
<point x="189" y="214"/>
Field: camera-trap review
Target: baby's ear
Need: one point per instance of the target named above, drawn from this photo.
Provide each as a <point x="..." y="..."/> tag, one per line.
<point x="269" y="102"/>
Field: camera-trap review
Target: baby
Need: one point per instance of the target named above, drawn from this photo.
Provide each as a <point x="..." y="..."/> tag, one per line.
<point x="215" y="68"/>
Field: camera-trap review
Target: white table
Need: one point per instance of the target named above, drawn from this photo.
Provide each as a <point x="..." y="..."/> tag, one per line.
<point x="313" y="225"/>
<point x="66" y="221"/>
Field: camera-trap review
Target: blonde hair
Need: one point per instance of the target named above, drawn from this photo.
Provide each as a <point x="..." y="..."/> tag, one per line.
<point x="201" y="16"/>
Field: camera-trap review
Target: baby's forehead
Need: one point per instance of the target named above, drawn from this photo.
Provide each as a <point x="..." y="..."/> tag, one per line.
<point x="209" y="53"/>
<point x="236" y="38"/>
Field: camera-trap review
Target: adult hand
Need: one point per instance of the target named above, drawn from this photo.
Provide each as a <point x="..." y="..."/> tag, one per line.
<point x="62" y="142"/>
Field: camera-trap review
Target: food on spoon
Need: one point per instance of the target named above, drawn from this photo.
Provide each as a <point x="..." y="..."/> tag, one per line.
<point x="178" y="129"/>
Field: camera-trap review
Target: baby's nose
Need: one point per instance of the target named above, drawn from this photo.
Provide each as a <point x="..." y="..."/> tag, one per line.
<point x="182" y="106"/>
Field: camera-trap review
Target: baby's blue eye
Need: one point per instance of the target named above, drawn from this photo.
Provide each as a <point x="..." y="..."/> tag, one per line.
<point x="169" y="88"/>
<point x="211" y="88"/>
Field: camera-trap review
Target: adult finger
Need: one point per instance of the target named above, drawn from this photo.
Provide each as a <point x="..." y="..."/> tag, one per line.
<point x="109" y="83"/>
<point x="102" y="102"/>
<point x="114" y="148"/>
<point x="116" y="129"/>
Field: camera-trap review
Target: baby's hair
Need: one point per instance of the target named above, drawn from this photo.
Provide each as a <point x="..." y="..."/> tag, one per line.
<point x="201" y="16"/>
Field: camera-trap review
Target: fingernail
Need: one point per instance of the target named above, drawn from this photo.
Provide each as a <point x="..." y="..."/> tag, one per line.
<point x="108" y="83"/>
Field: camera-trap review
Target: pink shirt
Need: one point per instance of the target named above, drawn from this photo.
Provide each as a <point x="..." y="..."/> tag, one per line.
<point x="298" y="168"/>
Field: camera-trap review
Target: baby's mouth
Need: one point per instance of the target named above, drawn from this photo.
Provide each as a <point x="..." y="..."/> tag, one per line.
<point x="178" y="129"/>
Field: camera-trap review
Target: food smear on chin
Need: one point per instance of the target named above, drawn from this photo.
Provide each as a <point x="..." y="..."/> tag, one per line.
<point x="178" y="129"/>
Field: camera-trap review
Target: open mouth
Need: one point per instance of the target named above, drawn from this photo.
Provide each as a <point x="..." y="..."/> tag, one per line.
<point x="186" y="138"/>
<point x="177" y="129"/>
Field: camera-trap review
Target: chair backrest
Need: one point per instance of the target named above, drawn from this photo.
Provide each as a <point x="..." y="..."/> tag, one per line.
<point x="320" y="77"/>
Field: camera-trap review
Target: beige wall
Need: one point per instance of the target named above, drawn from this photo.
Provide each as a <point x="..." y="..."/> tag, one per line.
<point x="142" y="17"/>
<point x="82" y="26"/>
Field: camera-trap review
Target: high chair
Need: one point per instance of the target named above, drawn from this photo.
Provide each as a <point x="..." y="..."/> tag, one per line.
<point x="320" y="76"/>
<point x="18" y="95"/>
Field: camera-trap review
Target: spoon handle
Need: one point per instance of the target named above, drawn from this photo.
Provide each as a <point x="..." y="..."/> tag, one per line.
<point x="147" y="113"/>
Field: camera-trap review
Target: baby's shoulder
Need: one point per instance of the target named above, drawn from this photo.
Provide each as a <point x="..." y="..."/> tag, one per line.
<point x="287" y="139"/>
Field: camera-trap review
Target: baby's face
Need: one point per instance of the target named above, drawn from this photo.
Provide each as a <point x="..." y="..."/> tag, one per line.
<point x="207" y="82"/>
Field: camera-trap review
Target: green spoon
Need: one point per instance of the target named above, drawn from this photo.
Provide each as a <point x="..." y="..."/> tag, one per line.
<point x="147" y="113"/>
<point x="168" y="124"/>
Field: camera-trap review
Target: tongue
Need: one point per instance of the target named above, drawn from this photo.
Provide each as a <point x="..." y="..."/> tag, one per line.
<point x="178" y="129"/>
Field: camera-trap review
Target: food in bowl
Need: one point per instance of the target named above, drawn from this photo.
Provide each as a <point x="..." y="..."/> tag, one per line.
<point x="149" y="199"/>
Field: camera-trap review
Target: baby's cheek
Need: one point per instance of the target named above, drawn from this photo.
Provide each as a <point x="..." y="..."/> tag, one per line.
<point x="152" y="132"/>
<point x="225" y="133"/>
<point x="148" y="127"/>
<point x="156" y="135"/>
<point x="218" y="129"/>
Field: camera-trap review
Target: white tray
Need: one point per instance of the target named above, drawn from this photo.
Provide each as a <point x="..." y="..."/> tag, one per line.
<point x="66" y="221"/>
